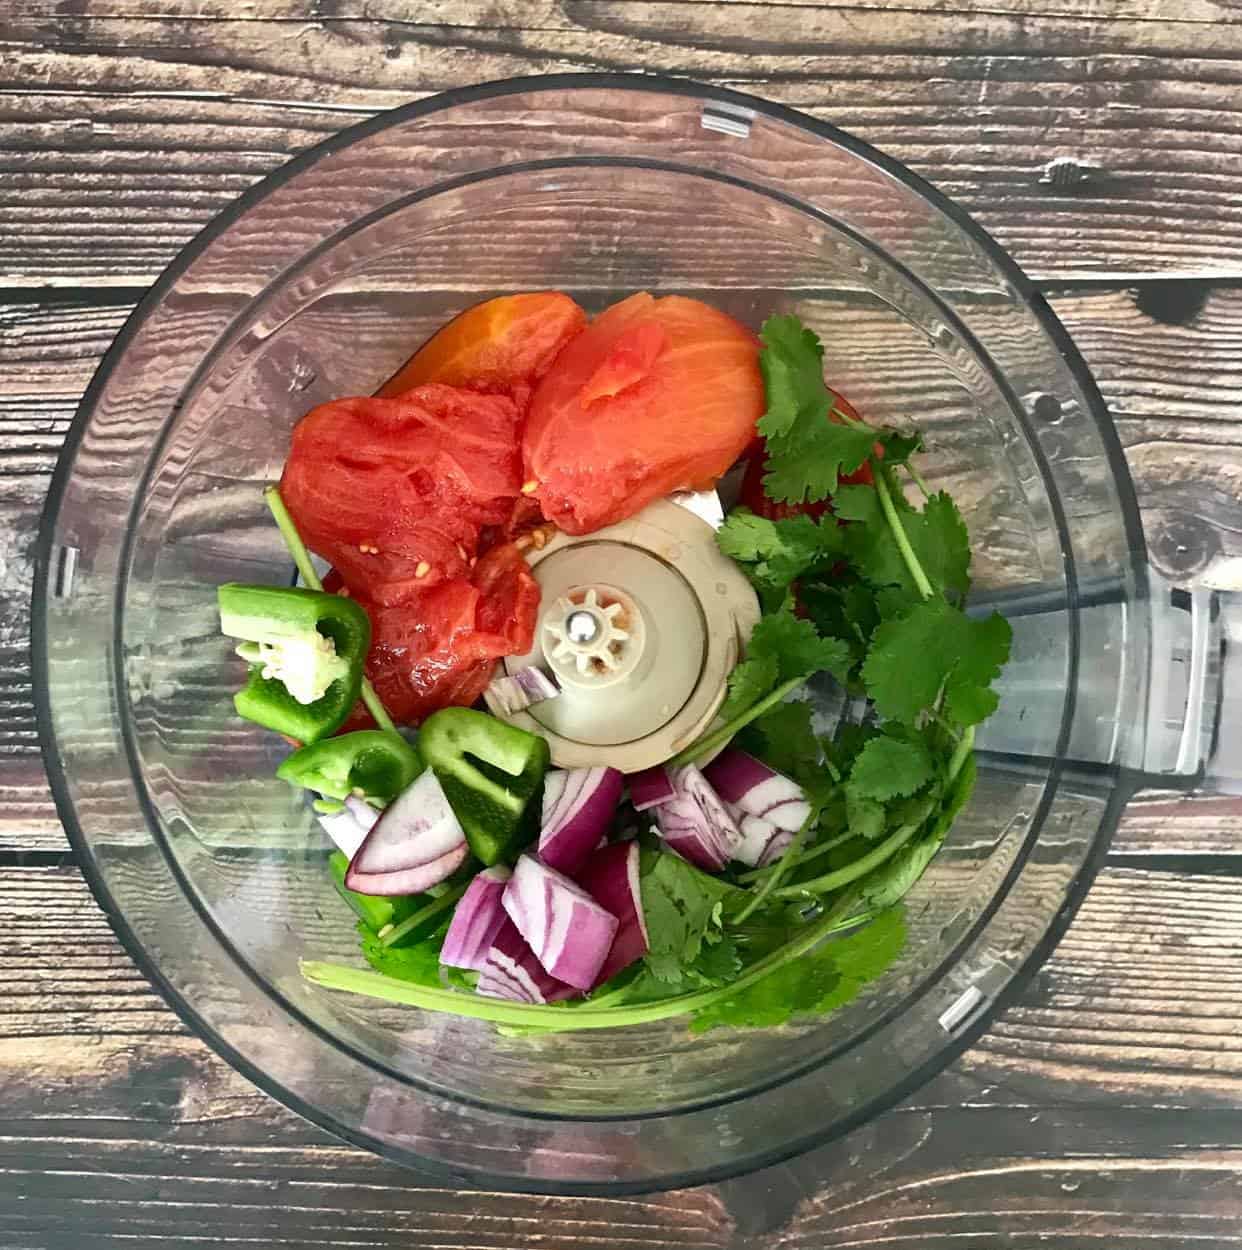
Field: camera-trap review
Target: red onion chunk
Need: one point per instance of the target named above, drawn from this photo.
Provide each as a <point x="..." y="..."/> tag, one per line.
<point x="415" y="844"/>
<point x="686" y="830"/>
<point x="477" y="919"/>
<point x="511" y="971"/>
<point x="578" y="807"/>
<point x="570" y="933"/>
<point x="749" y="784"/>
<point x="650" y="788"/>
<point x="362" y="811"/>
<point x="762" y="843"/>
<point x="508" y="695"/>
<point x="349" y="827"/>
<point x="344" y="830"/>
<point x="696" y="824"/>
<point x="610" y="877"/>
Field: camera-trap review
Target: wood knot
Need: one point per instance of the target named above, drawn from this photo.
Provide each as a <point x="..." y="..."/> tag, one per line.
<point x="1068" y="173"/>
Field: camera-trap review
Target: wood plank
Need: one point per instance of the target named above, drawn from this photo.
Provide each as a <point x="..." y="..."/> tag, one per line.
<point x="1174" y="388"/>
<point x="1103" y="1109"/>
<point x="980" y="101"/>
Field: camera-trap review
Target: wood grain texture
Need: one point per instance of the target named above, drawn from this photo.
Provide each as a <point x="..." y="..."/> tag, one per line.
<point x="126" y="132"/>
<point x="1105" y="1105"/>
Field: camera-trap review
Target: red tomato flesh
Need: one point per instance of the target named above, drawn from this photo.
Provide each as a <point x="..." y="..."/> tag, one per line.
<point x="655" y="395"/>
<point x="394" y="492"/>
<point x="503" y="345"/>
<point x="439" y="647"/>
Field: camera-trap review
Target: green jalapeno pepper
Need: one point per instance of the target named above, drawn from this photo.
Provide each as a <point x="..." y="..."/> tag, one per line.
<point x="372" y="762"/>
<point x="492" y="775"/>
<point x="306" y="651"/>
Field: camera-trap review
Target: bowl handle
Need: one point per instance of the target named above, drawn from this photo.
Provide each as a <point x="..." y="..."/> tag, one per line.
<point x="1158" y="686"/>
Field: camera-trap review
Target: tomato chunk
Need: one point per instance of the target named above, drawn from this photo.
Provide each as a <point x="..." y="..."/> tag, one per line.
<point x="503" y="346"/>
<point x="439" y="647"/>
<point x="394" y="492"/>
<point x="655" y="395"/>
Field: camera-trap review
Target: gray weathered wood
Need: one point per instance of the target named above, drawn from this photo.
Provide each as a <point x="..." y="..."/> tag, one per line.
<point x="133" y="130"/>
<point x="116" y="1125"/>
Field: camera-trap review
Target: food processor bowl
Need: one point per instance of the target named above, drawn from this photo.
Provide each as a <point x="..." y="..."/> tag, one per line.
<point x="317" y="284"/>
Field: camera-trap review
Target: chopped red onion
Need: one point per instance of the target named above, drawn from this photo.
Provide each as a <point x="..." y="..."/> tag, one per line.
<point x="578" y="807"/>
<point x="415" y="844"/>
<point x="349" y="827"/>
<point x="650" y="788"/>
<point x="696" y="824"/>
<point x="506" y="695"/>
<point x="610" y="876"/>
<point x="758" y="790"/>
<point x="343" y="829"/>
<point x="763" y="843"/>
<point x="511" y="971"/>
<point x="687" y="831"/>
<point x="477" y="919"/>
<point x="570" y="933"/>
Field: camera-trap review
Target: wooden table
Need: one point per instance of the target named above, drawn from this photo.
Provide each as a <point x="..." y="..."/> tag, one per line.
<point x="1101" y="142"/>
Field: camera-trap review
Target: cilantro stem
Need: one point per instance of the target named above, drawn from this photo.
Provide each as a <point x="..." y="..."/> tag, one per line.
<point x="846" y="419"/>
<point x="860" y="867"/>
<point x="781" y="867"/>
<point x="422" y="915"/>
<point x="718" y="737"/>
<point x="301" y="558"/>
<point x="498" y="1011"/>
<point x="899" y="532"/>
<point x="918" y="480"/>
<point x="961" y="752"/>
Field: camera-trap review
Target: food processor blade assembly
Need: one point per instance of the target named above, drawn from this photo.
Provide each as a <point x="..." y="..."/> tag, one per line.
<point x="640" y="625"/>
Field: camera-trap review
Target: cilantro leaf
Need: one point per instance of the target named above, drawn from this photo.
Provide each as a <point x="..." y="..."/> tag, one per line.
<point x="865" y="815"/>
<point x="748" y="683"/>
<point x="932" y="645"/>
<point x="888" y="768"/>
<point x="968" y="697"/>
<point x="784" y="740"/>
<point x="900" y="448"/>
<point x="775" y="552"/>
<point x="807" y="465"/>
<point x="846" y="744"/>
<point x="782" y="647"/>
<point x="891" y="881"/>
<point x="718" y="962"/>
<point x="792" y="361"/>
<point x="937" y="535"/>
<point x="842" y="608"/>
<point x="864" y="955"/>
<point x="942" y="545"/>
<point x="894" y="879"/>
<point x="872" y="551"/>
<point x="807" y="450"/>
<point x="681" y="905"/>
<point x="418" y="962"/>
<point x="794" y="989"/>
<point x="797" y="647"/>
<point x="818" y="983"/>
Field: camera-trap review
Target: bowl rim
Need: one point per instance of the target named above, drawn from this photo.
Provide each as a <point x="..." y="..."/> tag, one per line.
<point x="1023" y="286"/>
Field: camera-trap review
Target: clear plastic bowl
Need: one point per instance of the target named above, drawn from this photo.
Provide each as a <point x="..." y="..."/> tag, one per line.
<point x="317" y="284"/>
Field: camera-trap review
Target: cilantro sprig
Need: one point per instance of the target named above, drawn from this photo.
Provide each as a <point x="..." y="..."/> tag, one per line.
<point x="885" y="581"/>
